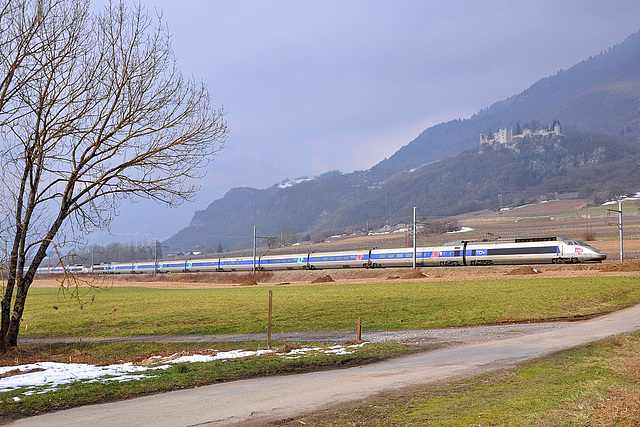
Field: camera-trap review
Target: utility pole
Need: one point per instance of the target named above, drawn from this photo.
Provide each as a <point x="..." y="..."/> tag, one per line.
<point x="620" y="228"/>
<point x="254" y="247"/>
<point x="414" y="238"/>
<point x="619" y="211"/>
<point x="155" y="258"/>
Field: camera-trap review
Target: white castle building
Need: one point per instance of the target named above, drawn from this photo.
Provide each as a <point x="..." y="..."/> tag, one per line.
<point x="506" y="136"/>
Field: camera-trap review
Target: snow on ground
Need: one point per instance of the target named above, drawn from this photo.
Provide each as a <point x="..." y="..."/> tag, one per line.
<point x="624" y="199"/>
<point x="288" y="184"/>
<point x="44" y="377"/>
<point x="460" y="230"/>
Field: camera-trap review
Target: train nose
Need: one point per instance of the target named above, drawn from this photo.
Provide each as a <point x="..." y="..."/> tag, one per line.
<point x="596" y="255"/>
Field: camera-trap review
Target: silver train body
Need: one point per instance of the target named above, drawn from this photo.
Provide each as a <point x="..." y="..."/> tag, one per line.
<point x="544" y="250"/>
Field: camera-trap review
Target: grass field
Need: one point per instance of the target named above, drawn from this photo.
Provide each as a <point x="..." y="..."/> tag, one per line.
<point x="584" y="381"/>
<point x="122" y="311"/>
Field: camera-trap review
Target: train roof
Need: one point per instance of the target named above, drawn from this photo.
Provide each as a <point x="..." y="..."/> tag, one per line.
<point x="507" y="240"/>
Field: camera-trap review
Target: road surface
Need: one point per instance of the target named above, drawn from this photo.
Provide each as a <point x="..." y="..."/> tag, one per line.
<point x="273" y="398"/>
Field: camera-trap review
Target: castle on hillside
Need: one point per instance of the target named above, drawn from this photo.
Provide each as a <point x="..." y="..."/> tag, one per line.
<point x="506" y="136"/>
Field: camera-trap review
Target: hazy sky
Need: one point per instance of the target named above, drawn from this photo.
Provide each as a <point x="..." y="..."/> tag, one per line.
<point x="314" y="86"/>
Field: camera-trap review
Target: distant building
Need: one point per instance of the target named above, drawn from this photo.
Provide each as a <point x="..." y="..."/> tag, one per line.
<point x="506" y="136"/>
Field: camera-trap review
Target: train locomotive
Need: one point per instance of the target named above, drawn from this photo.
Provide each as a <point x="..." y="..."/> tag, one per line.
<point x="536" y="250"/>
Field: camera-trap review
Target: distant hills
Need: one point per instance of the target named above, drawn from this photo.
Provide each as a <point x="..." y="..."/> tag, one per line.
<point x="445" y="172"/>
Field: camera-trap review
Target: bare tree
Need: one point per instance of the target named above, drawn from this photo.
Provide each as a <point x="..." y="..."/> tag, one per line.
<point x="93" y="112"/>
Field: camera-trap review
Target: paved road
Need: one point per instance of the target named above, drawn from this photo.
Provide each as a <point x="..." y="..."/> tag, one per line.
<point x="272" y="398"/>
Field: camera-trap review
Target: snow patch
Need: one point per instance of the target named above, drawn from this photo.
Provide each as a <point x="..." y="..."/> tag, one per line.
<point x="45" y="377"/>
<point x="623" y="199"/>
<point x="288" y="184"/>
<point x="460" y="230"/>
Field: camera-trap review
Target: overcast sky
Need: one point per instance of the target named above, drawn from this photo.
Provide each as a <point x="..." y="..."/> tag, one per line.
<point x="315" y="86"/>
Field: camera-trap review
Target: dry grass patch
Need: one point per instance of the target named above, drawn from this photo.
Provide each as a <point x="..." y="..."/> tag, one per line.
<point x="619" y="408"/>
<point x="213" y="277"/>
<point x="323" y="279"/>
<point x="415" y="274"/>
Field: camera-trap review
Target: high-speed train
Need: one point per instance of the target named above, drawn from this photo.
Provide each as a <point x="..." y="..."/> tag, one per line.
<point x="536" y="250"/>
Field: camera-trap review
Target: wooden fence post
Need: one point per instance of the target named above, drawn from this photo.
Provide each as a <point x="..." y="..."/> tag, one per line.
<point x="269" y="322"/>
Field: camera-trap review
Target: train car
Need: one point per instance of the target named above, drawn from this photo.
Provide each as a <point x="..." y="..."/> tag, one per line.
<point x="544" y="250"/>
<point x="401" y="257"/>
<point x="282" y="262"/>
<point x="121" y="268"/>
<point x="203" y="265"/>
<point x="100" y="269"/>
<point x="344" y="259"/>
<point x="447" y="255"/>
<point x="43" y="270"/>
<point x="144" y="267"/>
<point x="236" y="264"/>
<point x="61" y="269"/>
<point x="172" y="266"/>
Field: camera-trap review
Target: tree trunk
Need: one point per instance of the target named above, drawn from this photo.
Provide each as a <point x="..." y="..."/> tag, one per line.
<point x="10" y="339"/>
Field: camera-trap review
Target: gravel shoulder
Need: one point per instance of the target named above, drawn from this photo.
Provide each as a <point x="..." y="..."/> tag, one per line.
<point x="426" y="338"/>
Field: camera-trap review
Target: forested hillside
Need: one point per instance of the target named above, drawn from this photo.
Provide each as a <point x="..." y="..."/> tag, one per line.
<point x="601" y="94"/>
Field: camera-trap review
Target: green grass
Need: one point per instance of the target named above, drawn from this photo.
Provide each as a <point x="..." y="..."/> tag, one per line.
<point x="122" y="311"/>
<point x="594" y="385"/>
